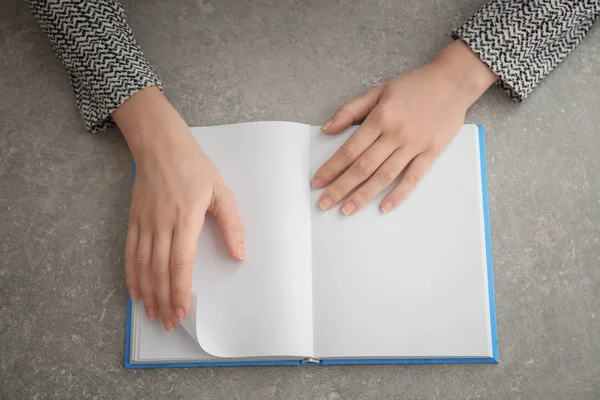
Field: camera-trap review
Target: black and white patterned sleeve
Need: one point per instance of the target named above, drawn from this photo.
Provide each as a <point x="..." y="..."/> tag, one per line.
<point x="97" y="47"/>
<point x="522" y="41"/>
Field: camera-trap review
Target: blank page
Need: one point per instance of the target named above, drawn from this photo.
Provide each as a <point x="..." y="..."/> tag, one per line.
<point x="409" y="283"/>
<point x="258" y="307"/>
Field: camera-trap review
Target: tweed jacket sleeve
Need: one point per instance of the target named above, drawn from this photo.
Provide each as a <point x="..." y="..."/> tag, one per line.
<point x="97" y="47"/>
<point x="522" y="41"/>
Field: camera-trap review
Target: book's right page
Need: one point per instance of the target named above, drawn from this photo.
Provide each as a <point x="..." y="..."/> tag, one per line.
<point x="412" y="283"/>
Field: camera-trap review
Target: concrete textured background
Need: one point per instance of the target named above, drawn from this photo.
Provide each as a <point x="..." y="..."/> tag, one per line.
<point x="64" y="198"/>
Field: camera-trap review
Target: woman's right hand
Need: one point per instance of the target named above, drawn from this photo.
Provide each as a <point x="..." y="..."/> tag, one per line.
<point x="175" y="185"/>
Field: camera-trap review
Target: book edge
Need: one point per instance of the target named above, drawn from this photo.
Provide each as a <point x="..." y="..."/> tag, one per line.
<point x="488" y="244"/>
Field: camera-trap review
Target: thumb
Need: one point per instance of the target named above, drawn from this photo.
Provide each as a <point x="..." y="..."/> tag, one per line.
<point x="224" y="209"/>
<point x="353" y="111"/>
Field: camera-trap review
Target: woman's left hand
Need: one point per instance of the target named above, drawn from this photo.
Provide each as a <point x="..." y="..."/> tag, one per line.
<point x="409" y="121"/>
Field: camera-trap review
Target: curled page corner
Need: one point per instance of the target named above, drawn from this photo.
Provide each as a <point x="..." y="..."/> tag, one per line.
<point x="189" y="323"/>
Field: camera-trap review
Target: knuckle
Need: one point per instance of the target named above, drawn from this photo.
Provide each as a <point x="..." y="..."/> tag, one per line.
<point x="130" y="249"/>
<point x="412" y="178"/>
<point x="346" y="108"/>
<point x="350" y="152"/>
<point x="180" y="261"/>
<point x="327" y="173"/>
<point x="235" y="227"/>
<point x="161" y="270"/>
<point x="387" y="175"/>
<point x="385" y="113"/>
<point x="178" y="292"/>
<point x="142" y="262"/>
<point x="363" y="167"/>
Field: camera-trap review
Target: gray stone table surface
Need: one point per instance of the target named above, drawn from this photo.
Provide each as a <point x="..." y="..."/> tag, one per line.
<point x="64" y="197"/>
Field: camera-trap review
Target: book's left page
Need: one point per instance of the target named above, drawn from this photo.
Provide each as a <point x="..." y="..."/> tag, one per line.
<point x="262" y="306"/>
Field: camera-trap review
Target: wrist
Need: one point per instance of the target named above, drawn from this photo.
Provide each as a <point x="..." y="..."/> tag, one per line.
<point x="148" y="121"/>
<point x="463" y="68"/>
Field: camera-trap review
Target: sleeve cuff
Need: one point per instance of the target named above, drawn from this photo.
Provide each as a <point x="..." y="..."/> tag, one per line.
<point x="507" y="82"/>
<point x="97" y="116"/>
<point x="523" y="41"/>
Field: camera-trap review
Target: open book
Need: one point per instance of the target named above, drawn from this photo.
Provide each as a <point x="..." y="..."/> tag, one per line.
<point x="317" y="287"/>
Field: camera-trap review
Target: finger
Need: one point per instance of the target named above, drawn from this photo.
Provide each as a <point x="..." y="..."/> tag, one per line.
<point x="144" y="273"/>
<point x="183" y="253"/>
<point x="131" y="244"/>
<point x="161" y="254"/>
<point x="360" y="171"/>
<point x="354" y="147"/>
<point x="412" y="175"/>
<point x="230" y="223"/>
<point x="353" y="111"/>
<point x="381" y="179"/>
<point x="169" y="324"/>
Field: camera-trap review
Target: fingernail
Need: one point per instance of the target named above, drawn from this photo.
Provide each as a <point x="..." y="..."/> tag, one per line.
<point x="348" y="208"/>
<point x="168" y="325"/>
<point x="327" y="124"/>
<point x="133" y="294"/>
<point x="179" y="313"/>
<point x="387" y="206"/>
<point x="241" y="251"/>
<point x="317" y="183"/>
<point x="325" y="203"/>
<point x="150" y="313"/>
